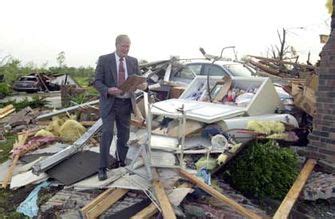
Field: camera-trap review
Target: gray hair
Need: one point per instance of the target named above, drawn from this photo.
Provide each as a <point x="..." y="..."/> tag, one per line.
<point x="121" y="38"/>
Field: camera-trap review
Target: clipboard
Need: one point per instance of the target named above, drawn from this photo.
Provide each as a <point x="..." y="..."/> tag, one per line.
<point x="132" y="82"/>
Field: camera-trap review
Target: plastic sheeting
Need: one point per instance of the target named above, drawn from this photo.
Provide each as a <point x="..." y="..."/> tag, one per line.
<point x="29" y="205"/>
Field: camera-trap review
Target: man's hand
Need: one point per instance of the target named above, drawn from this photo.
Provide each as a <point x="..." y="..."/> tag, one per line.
<point x="114" y="91"/>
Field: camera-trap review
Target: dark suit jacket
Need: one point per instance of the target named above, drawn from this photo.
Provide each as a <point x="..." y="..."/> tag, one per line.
<point x="106" y="76"/>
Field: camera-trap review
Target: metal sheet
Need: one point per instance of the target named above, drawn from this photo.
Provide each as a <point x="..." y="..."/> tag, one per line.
<point x="69" y="109"/>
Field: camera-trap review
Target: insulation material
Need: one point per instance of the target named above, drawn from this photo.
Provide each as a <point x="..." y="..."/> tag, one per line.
<point x="222" y="159"/>
<point x="44" y="133"/>
<point x="266" y="127"/>
<point x="203" y="162"/>
<point x="32" y="144"/>
<point x="235" y="147"/>
<point x="55" y="125"/>
<point x="71" y="130"/>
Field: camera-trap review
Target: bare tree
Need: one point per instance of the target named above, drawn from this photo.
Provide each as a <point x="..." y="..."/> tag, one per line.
<point x="61" y="58"/>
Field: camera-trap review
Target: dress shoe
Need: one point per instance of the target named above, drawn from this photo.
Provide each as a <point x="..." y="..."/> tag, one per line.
<point x="121" y="164"/>
<point x="102" y="175"/>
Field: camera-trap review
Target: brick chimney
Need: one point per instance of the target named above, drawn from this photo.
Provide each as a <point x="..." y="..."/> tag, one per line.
<point x="322" y="139"/>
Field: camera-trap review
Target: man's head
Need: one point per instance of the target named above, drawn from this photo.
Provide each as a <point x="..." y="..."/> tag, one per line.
<point x="122" y="44"/>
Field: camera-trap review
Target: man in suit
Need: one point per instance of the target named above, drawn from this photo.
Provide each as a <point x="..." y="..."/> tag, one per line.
<point x="115" y="106"/>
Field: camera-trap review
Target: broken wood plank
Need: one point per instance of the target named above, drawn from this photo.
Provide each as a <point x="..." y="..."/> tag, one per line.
<point x="146" y="213"/>
<point x="102" y="204"/>
<point x="283" y="62"/>
<point x="225" y="85"/>
<point x="152" y="209"/>
<point x="161" y="196"/>
<point x="285" y="207"/>
<point x="21" y="141"/>
<point x="9" y="175"/>
<point x="6" y="111"/>
<point x="163" y="200"/>
<point x="97" y="199"/>
<point x="236" y="206"/>
<point x="6" y="108"/>
<point x="264" y="68"/>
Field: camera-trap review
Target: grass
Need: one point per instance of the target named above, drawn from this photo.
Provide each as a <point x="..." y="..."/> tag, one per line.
<point x="6" y="147"/>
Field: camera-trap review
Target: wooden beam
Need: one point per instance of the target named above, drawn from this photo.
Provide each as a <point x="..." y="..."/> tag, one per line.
<point x="264" y="68"/>
<point x="151" y="210"/>
<point x="97" y="199"/>
<point x="3" y="115"/>
<point x="236" y="206"/>
<point x="291" y="197"/>
<point x="146" y="213"/>
<point x="101" y="204"/>
<point x="284" y="62"/>
<point x="164" y="202"/>
<point x="10" y="171"/>
<point x="21" y="141"/>
<point x="6" y="109"/>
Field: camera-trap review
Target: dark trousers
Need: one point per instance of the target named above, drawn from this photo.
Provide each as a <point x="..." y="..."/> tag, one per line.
<point x="120" y="114"/>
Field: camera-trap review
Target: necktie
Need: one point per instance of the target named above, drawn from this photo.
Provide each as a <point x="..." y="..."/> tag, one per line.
<point x="122" y="74"/>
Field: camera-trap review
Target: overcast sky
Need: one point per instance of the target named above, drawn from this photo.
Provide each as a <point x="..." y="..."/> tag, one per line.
<point x="37" y="30"/>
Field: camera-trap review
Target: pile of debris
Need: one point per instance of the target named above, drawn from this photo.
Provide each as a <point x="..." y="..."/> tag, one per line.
<point x="281" y="69"/>
<point x="184" y="143"/>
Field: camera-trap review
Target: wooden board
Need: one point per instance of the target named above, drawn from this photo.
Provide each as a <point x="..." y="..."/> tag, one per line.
<point x="225" y="87"/>
<point x="146" y="213"/>
<point x="236" y="206"/>
<point x="103" y="202"/>
<point x="163" y="200"/>
<point x="291" y="197"/>
<point x="21" y="141"/>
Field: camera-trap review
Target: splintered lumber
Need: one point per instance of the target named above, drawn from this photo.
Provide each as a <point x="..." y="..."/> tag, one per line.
<point x="101" y="203"/>
<point x="236" y="206"/>
<point x="284" y="62"/>
<point x="151" y="210"/>
<point x="163" y="200"/>
<point x="146" y="213"/>
<point x="291" y="197"/>
<point x="264" y="68"/>
<point x="6" y="110"/>
<point x="21" y="141"/>
<point x="161" y="196"/>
